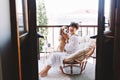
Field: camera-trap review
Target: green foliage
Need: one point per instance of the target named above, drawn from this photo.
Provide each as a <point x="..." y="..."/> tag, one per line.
<point x="42" y="20"/>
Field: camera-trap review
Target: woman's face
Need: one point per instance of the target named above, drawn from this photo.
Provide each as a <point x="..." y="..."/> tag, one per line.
<point x="72" y="30"/>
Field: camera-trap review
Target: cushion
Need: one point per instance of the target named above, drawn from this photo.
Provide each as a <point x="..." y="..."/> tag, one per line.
<point x="88" y="46"/>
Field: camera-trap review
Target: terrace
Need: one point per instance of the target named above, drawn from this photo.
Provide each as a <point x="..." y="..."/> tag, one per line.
<point x="62" y="15"/>
<point x="52" y="40"/>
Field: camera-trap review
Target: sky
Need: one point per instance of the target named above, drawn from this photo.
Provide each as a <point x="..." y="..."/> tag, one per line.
<point x="66" y="6"/>
<point x="59" y="9"/>
<point x="66" y="11"/>
<point x="73" y="8"/>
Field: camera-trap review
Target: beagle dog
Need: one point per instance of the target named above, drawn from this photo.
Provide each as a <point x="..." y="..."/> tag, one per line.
<point x="62" y="41"/>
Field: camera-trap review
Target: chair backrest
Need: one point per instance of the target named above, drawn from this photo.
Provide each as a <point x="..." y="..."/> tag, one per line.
<point x="80" y="55"/>
<point x="86" y="55"/>
<point x="90" y="53"/>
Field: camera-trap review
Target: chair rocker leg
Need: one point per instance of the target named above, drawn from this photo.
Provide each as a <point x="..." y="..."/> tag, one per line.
<point x="82" y="66"/>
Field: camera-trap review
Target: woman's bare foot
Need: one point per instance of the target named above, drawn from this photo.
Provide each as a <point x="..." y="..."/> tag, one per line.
<point x="44" y="72"/>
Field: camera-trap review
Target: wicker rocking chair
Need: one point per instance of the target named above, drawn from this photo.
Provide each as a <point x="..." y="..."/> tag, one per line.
<point x="80" y="60"/>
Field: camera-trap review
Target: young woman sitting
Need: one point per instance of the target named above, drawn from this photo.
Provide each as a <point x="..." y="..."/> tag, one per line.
<point x="71" y="46"/>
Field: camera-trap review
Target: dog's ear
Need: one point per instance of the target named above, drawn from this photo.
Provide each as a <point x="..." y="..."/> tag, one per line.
<point x="61" y="31"/>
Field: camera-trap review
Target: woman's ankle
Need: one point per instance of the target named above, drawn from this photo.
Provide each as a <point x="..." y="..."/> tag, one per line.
<point x="44" y="72"/>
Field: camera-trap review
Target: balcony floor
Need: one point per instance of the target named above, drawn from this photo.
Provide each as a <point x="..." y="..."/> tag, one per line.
<point x="56" y="74"/>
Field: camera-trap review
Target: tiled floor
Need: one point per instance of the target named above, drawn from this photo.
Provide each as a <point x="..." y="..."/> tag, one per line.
<point x="56" y="74"/>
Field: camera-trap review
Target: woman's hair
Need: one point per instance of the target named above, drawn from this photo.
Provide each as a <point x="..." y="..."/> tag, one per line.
<point x="73" y="24"/>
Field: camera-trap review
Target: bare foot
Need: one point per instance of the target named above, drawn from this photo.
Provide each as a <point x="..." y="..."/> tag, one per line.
<point x="43" y="73"/>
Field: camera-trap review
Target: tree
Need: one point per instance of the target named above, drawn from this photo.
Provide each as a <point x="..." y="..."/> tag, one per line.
<point x="42" y="20"/>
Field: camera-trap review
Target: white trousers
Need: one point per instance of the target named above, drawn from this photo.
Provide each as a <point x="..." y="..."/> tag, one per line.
<point x="56" y="58"/>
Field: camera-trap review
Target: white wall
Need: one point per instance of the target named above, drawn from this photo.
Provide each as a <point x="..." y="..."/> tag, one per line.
<point x="5" y="32"/>
<point x="4" y="20"/>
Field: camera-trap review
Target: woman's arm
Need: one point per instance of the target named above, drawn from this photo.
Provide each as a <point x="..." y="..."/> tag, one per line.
<point x="71" y="45"/>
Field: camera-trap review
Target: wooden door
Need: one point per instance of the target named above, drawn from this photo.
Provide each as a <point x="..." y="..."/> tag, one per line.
<point x="104" y="48"/>
<point x="116" y="59"/>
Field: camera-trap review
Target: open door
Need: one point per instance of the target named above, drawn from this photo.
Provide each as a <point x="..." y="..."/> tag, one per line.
<point x="104" y="47"/>
<point x="25" y="38"/>
<point x="116" y="59"/>
<point x="28" y="42"/>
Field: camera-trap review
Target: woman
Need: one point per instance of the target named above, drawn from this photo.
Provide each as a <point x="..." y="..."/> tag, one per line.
<point x="72" y="45"/>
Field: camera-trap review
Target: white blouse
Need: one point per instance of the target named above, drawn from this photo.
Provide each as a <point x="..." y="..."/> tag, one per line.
<point x="72" y="45"/>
